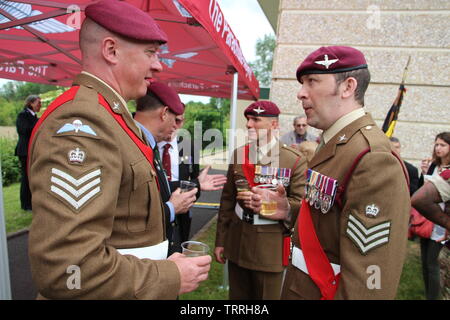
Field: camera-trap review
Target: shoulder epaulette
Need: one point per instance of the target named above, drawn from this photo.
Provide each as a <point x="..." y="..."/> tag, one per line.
<point x="375" y="139"/>
<point x="295" y="151"/>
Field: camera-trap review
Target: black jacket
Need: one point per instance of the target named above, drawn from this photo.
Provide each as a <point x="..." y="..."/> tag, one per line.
<point x="25" y="123"/>
<point x="413" y="178"/>
<point x="178" y="231"/>
<point x="429" y="172"/>
<point x="187" y="170"/>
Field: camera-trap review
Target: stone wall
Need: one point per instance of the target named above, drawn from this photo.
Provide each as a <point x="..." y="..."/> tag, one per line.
<point x="387" y="32"/>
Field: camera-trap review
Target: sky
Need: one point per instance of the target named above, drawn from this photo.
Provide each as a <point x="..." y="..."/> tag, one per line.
<point x="248" y="23"/>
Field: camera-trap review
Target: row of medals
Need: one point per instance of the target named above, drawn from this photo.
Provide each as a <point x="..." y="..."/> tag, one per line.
<point x="273" y="175"/>
<point x="320" y="190"/>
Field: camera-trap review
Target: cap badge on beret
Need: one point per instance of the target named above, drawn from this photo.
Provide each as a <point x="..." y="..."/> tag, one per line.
<point x="259" y="110"/>
<point x="325" y="62"/>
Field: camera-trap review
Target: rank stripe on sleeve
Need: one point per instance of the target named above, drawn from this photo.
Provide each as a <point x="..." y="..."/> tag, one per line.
<point x="70" y="194"/>
<point x="365" y="238"/>
<point x="76" y="204"/>
<point x="73" y="191"/>
<point x="72" y="180"/>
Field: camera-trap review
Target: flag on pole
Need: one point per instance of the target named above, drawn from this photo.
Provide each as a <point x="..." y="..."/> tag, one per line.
<point x="391" y="118"/>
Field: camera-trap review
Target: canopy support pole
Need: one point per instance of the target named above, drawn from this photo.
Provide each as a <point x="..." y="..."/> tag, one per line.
<point x="5" y="285"/>
<point x="233" y="115"/>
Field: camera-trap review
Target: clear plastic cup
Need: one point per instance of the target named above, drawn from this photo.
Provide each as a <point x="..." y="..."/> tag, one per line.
<point x="194" y="248"/>
<point x="269" y="206"/>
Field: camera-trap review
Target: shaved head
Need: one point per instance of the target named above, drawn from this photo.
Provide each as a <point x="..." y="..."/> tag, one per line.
<point x="127" y="65"/>
<point x="91" y="37"/>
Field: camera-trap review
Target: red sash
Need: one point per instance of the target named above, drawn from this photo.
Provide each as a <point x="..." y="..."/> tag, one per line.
<point x="145" y="149"/>
<point x="319" y="267"/>
<point x="68" y="96"/>
<point x="65" y="97"/>
<point x="248" y="168"/>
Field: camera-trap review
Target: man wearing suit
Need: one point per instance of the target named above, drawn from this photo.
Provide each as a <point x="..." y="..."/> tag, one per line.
<point x="253" y="244"/>
<point x="181" y="162"/>
<point x="351" y="233"/>
<point x="26" y="120"/>
<point x="412" y="170"/>
<point x="156" y="114"/>
<point x="98" y="228"/>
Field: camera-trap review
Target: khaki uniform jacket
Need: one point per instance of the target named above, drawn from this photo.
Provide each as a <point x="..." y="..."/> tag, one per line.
<point x="258" y="247"/>
<point x="368" y="270"/>
<point x="84" y="210"/>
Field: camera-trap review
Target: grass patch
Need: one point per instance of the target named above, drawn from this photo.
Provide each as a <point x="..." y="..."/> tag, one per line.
<point x="411" y="285"/>
<point x="209" y="289"/>
<point x="16" y="219"/>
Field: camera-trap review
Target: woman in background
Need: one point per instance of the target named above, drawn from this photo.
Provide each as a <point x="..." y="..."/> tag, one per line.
<point x="431" y="247"/>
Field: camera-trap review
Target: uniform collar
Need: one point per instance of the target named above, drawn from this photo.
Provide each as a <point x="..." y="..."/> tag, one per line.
<point x="340" y="138"/>
<point x="118" y="96"/>
<point x="173" y="143"/>
<point x="114" y="99"/>
<point x="148" y="135"/>
<point x="341" y="123"/>
<point x="264" y="150"/>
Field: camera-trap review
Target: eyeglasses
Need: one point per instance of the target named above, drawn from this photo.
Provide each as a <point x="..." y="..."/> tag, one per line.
<point x="301" y="125"/>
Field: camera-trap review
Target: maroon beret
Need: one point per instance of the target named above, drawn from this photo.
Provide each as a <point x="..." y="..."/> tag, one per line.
<point x="167" y="96"/>
<point x="334" y="59"/>
<point x="126" y="20"/>
<point x="262" y="109"/>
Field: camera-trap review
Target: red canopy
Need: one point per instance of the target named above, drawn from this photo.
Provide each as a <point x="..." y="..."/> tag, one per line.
<point x="39" y="43"/>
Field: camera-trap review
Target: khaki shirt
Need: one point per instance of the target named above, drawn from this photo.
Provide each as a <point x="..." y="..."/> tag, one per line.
<point x="258" y="247"/>
<point x="95" y="192"/>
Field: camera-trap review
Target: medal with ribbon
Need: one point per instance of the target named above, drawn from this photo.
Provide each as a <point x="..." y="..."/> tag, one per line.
<point x="320" y="190"/>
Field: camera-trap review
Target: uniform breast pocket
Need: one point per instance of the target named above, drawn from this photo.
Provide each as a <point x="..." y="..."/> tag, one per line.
<point x="139" y="201"/>
<point x="270" y="243"/>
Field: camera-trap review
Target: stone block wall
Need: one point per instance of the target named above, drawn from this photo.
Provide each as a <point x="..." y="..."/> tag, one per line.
<point x="387" y="32"/>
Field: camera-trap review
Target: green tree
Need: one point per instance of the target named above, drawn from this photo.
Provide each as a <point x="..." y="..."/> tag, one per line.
<point x="9" y="111"/>
<point x="19" y="90"/>
<point x="210" y="115"/>
<point x="262" y="66"/>
<point x="14" y="93"/>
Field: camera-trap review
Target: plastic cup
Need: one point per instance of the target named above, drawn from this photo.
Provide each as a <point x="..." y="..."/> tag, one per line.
<point x="268" y="206"/>
<point x="186" y="186"/>
<point x="242" y="185"/>
<point x="194" y="248"/>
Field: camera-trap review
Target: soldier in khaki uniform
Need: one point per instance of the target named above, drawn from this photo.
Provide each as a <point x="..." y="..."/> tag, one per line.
<point x="251" y="243"/>
<point x="350" y="237"/>
<point x="98" y="225"/>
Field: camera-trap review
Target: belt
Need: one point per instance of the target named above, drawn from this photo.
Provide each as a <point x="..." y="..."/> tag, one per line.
<point x="256" y="219"/>
<point x="155" y="252"/>
<point x="298" y="261"/>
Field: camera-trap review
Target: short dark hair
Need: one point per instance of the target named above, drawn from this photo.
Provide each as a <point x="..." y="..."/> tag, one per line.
<point x="443" y="136"/>
<point x="362" y="77"/>
<point x="148" y="102"/>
